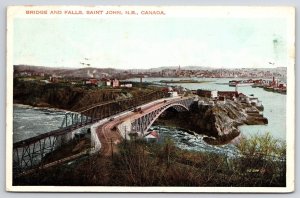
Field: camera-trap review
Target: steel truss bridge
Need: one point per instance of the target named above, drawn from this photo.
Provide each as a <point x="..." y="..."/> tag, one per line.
<point x="29" y="153"/>
<point x="143" y="123"/>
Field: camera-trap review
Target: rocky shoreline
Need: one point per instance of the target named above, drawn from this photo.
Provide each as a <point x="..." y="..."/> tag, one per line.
<point x="218" y="122"/>
<point x="68" y="97"/>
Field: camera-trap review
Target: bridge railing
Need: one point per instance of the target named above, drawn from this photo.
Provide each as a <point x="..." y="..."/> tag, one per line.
<point x="101" y="111"/>
<point x="143" y="123"/>
<point x="29" y="153"/>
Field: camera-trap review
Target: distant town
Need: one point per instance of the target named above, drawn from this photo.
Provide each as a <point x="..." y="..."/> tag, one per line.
<point x="58" y="74"/>
<point x="111" y="115"/>
<point x="272" y="79"/>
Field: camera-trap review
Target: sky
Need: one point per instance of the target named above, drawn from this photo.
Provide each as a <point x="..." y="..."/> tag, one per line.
<point x="137" y="43"/>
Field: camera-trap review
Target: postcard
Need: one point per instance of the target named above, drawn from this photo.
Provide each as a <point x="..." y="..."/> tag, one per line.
<point x="150" y="99"/>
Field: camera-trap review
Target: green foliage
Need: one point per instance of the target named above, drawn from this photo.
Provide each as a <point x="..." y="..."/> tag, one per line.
<point x="67" y="96"/>
<point x="262" y="144"/>
<point x="138" y="163"/>
<point x="263" y="160"/>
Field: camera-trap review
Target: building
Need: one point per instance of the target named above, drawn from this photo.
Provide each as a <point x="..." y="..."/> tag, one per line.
<point x="115" y="83"/>
<point x="221" y="100"/>
<point x="91" y="81"/>
<point x="128" y="85"/>
<point x="231" y="95"/>
<point x="105" y="82"/>
<point x="173" y="93"/>
<point x="207" y="93"/>
<point x="243" y="98"/>
<point x="153" y="136"/>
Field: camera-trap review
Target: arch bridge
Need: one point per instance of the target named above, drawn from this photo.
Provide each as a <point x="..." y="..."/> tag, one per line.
<point x="142" y="123"/>
<point x="29" y="153"/>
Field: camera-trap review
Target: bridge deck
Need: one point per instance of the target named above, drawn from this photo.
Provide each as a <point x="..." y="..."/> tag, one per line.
<point x="28" y="153"/>
<point x="109" y="137"/>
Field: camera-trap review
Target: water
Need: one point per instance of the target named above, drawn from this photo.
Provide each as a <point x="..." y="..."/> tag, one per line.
<point x="274" y="103"/>
<point x="30" y="121"/>
<point x="193" y="142"/>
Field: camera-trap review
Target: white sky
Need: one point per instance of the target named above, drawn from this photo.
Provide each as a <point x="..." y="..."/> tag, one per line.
<point x="150" y="42"/>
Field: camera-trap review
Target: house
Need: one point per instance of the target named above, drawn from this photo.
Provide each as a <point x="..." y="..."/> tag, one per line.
<point x="243" y="98"/>
<point x="207" y="93"/>
<point x="204" y="93"/>
<point x="115" y="83"/>
<point x="91" y="81"/>
<point x="231" y="95"/>
<point x="25" y="73"/>
<point x="170" y="89"/>
<point x="221" y="100"/>
<point x="105" y="82"/>
<point x="128" y="85"/>
<point x="53" y="79"/>
<point x="153" y="136"/>
<point x="173" y="93"/>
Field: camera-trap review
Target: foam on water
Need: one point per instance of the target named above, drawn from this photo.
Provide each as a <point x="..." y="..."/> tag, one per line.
<point x="31" y="121"/>
<point x="193" y="142"/>
<point x="274" y="103"/>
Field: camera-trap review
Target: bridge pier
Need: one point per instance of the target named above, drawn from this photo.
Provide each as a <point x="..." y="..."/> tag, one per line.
<point x="125" y="129"/>
<point x="29" y="153"/>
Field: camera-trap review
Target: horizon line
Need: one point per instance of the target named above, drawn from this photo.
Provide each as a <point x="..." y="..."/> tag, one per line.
<point x="157" y="67"/>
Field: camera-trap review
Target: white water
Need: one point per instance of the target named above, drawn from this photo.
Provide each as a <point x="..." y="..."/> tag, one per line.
<point x="29" y="121"/>
<point x="274" y="103"/>
<point x="193" y="142"/>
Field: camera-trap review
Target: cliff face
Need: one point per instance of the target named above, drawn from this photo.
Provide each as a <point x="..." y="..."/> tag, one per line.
<point x="219" y="122"/>
<point x="67" y="97"/>
<point x="58" y="96"/>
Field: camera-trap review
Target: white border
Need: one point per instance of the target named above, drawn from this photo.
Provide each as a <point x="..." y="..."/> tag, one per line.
<point x="187" y="11"/>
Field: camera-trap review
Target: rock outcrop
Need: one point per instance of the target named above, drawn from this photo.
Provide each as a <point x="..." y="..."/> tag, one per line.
<point x="219" y="122"/>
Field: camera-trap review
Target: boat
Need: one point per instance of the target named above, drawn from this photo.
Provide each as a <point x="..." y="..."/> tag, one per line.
<point x="233" y="83"/>
<point x="241" y="83"/>
<point x="259" y="85"/>
<point x="270" y="88"/>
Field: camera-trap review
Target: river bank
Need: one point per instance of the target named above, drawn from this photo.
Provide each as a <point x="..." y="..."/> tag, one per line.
<point x="182" y="81"/>
<point x="219" y="123"/>
<point x="70" y="97"/>
<point x="274" y="103"/>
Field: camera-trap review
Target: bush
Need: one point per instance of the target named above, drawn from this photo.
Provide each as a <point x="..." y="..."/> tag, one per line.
<point x="138" y="163"/>
<point x="262" y="145"/>
<point x="262" y="160"/>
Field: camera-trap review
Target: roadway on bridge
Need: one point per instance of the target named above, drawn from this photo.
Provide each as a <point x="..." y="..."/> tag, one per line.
<point x="108" y="134"/>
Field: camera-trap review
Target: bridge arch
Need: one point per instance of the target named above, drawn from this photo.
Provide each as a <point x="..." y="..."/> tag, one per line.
<point x="142" y="124"/>
<point x="163" y="110"/>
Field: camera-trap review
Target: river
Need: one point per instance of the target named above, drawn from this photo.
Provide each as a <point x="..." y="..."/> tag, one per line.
<point x="29" y="121"/>
<point x="274" y="103"/>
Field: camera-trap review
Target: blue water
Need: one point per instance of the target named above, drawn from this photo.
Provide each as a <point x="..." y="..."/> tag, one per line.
<point x="30" y="121"/>
<point x="274" y="103"/>
<point x="193" y="142"/>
